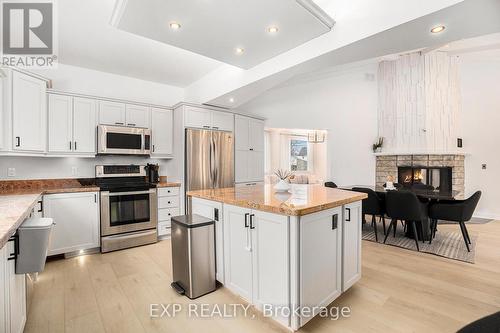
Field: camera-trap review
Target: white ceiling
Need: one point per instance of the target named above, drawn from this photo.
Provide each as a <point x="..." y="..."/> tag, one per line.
<point x="86" y="39"/>
<point x="217" y="28"/>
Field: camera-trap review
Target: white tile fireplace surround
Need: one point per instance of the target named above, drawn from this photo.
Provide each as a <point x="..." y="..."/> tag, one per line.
<point x="387" y="165"/>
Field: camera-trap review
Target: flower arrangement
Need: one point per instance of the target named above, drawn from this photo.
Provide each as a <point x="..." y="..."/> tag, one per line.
<point x="283" y="174"/>
<point x="377" y="146"/>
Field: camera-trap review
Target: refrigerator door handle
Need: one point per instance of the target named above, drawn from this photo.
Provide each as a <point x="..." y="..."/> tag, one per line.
<point x="216" y="169"/>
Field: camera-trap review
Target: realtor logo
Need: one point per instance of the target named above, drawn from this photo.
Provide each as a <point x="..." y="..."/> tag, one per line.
<point x="28" y="33"/>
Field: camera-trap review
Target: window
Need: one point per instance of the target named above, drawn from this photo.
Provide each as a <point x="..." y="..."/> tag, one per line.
<point x="299" y="160"/>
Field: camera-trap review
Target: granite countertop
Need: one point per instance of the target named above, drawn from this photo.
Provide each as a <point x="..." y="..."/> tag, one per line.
<point x="17" y="199"/>
<point x="303" y="199"/>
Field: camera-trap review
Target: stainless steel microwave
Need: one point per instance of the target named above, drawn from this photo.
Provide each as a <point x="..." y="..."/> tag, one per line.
<point x="119" y="140"/>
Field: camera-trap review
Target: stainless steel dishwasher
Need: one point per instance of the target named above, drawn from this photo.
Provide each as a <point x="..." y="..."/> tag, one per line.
<point x="193" y="255"/>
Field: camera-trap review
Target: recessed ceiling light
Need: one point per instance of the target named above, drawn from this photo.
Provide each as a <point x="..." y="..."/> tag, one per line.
<point x="175" y="26"/>
<point x="438" y="29"/>
<point x="231" y="100"/>
<point x="239" y="50"/>
<point x="272" y="30"/>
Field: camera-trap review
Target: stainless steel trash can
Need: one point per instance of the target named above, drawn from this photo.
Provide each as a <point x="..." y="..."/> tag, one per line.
<point x="193" y="255"/>
<point x="33" y="245"/>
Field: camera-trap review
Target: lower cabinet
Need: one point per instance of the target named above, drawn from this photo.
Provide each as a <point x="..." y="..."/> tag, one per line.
<point x="213" y="210"/>
<point x="76" y="217"/>
<point x="168" y="206"/>
<point x="351" y="244"/>
<point x="12" y="293"/>
<point x="320" y="259"/>
<point x="256" y="259"/>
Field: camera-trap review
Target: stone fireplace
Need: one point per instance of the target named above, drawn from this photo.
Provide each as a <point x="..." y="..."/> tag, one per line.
<point x="439" y="171"/>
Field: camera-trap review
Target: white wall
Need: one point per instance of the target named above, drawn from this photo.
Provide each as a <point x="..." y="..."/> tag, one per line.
<point x="62" y="167"/>
<point x="480" y="73"/>
<point x="91" y="82"/>
<point x="344" y="102"/>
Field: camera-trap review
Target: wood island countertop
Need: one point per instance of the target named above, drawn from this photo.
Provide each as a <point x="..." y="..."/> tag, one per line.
<point x="303" y="199"/>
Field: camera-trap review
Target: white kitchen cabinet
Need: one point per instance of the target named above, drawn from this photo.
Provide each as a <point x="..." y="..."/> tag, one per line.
<point x="162" y="132"/>
<point x="72" y="124"/>
<point x="208" y="119"/>
<point x="237" y="251"/>
<point x="249" y="149"/>
<point x="249" y="134"/>
<point x="321" y="258"/>
<point x="4" y="292"/>
<point x="249" y="166"/>
<point x="270" y="258"/>
<point x="168" y="206"/>
<point x="137" y="116"/>
<point x="60" y="124"/>
<point x="197" y="117"/>
<point x="223" y="121"/>
<point x="112" y="113"/>
<point x="351" y="243"/>
<point x="256" y="135"/>
<point x="213" y="211"/>
<point x="29" y="113"/>
<point x="256" y="251"/>
<point x="17" y="294"/>
<point x="76" y="217"/>
<point x="84" y="125"/>
<point x="12" y="293"/>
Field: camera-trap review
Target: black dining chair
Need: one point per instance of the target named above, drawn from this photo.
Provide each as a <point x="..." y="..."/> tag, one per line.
<point x="460" y="211"/>
<point x="405" y="205"/>
<point x="330" y="184"/>
<point x="374" y="206"/>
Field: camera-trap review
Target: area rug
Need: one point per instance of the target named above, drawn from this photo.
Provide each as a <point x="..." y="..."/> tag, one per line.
<point x="446" y="244"/>
<point x="474" y="220"/>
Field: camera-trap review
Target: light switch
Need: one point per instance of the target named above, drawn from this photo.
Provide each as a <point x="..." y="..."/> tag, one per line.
<point x="11" y="172"/>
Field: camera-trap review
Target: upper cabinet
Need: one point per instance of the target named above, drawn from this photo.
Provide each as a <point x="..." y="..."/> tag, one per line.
<point x="209" y="119"/>
<point x="29" y="113"/>
<point x="137" y="116"/>
<point x="162" y="132"/>
<point x="121" y="114"/>
<point x="249" y="134"/>
<point x="72" y="125"/>
<point x="249" y="149"/>
<point x="111" y="113"/>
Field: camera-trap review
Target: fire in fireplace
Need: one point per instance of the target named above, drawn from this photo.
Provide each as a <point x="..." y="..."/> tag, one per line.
<point x="438" y="178"/>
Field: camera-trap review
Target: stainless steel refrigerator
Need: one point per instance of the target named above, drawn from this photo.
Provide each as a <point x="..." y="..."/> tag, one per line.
<point x="209" y="160"/>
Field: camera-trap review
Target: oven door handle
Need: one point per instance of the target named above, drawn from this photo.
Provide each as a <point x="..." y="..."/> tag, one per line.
<point x="114" y="194"/>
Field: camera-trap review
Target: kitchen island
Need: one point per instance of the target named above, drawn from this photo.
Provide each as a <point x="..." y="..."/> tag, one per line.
<point x="289" y="254"/>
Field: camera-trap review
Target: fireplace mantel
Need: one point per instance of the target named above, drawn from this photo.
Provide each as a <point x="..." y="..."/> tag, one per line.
<point x="459" y="153"/>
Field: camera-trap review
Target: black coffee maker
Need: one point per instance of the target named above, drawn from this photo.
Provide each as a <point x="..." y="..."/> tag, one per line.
<point x="152" y="173"/>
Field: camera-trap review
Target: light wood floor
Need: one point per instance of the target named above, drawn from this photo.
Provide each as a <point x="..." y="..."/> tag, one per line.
<point x="400" y="291"/>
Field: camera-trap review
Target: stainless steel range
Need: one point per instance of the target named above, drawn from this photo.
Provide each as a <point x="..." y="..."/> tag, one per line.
<point x="128" y="207"/>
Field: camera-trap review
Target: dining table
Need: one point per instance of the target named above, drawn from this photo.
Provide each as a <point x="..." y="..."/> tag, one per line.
<point x="430" y="195"/>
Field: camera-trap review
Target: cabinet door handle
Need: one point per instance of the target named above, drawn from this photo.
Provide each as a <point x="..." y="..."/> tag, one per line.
<point x="70" y="145"/>
<point x="246" y="219"/>
<point x="14" y="239"/>
<point x="153" y="152"/>
<point x="41" y="206"/>
<point x="75" y="146"/>
<point x="206" y="126"/>
<point x="348" y="218"/>
<point x="215" y="127"/>
<point x="18" y="141"/>
<point x="251" y="221"/>
<point x="95" y="198"/>
<point x="335" y="221"/>
<point x="216" y="214"/>
<point x="251" y="149"/>
<point x="118" y="123"/>
<point x="130" y="124"/>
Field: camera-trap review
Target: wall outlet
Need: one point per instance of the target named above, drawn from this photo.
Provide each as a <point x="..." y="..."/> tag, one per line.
<point x="484" y="166"/>
<point x="11" y="172"/>
<point x="74" y="171"/>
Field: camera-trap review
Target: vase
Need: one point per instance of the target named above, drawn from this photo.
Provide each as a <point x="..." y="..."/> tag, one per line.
<point x="282" y="186"/>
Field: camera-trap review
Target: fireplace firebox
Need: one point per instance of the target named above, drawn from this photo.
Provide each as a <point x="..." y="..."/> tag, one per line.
<point x="438" y="178"/>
